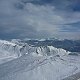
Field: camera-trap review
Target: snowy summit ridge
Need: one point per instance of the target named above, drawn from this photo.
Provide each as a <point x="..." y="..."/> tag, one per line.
<point x="11" y="48"/>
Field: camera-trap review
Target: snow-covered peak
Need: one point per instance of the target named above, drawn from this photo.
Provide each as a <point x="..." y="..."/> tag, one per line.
<point x="24" y="48"/>
<point x="17" y="49"/>
<point x="7" y="42"/>
<point x="51" y="51"/>
<point x="59" y="51"/>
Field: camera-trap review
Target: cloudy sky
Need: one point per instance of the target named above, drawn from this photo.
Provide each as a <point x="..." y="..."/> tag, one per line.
<point x="40" y="19"/>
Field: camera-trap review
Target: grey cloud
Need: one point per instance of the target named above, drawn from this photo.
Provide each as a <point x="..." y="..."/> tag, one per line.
<point x="27" y="18"/>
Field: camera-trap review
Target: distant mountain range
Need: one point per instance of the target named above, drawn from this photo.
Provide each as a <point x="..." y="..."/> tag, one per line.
<point x="70" y="45"/>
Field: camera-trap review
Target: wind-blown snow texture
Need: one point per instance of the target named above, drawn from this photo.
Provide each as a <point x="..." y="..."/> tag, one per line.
<point x="20" y="61"/>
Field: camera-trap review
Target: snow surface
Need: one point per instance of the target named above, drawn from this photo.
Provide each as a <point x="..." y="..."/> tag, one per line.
<point x="24" y="62"/>
<point x="29" y="67"/>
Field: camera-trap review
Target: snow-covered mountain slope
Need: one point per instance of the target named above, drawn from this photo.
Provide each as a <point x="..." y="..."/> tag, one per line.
<point x="28" y="67"/>
<point x="6" y="51"/>
<point x="14" y="49"/>
<point x="9" y="48"/>
<point x="20" y="61"/>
